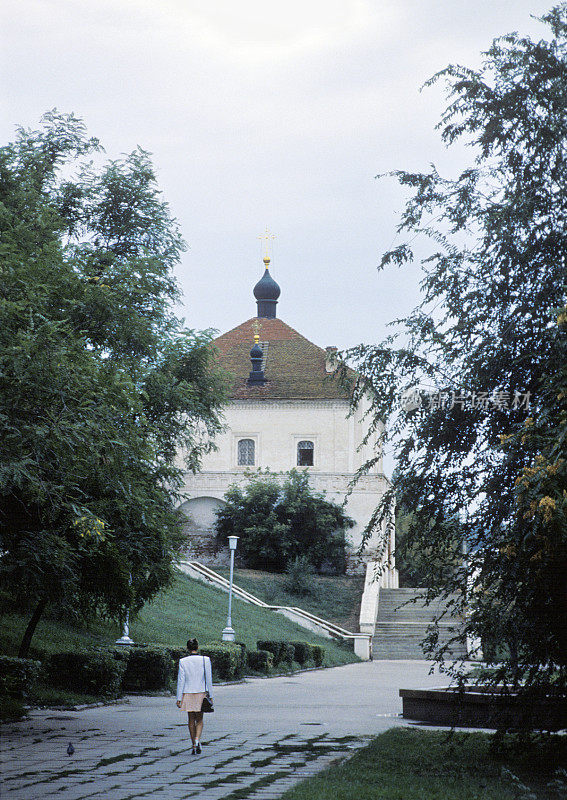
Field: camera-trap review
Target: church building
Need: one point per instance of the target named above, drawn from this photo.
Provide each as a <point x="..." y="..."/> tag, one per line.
<point x="287" y="409"/>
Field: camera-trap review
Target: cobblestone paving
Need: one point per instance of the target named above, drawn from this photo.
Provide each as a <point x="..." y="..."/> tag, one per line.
<point x="160" y="767"/>
<point x="265" y="735"/>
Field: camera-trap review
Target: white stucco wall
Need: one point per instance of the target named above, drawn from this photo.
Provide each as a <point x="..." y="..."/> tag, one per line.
<point x="276" y="427"/>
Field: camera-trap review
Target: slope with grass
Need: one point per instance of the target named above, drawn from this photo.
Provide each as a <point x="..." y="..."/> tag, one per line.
<point x="186" y="608"/>
<point x="334" y="598"/>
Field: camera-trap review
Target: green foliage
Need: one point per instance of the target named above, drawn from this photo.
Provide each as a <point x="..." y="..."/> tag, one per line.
<point x="18" y="675"/>
<point x="100" y="386"/>
<point x="186" y="608"/>
<point x="147" y="669"/>
<point x="492" y="280"/>
<point x="226" y="660"/>
<point x="282" y="651"/>
<point x="304" y="653"/>
<point x="94" y="672"/>
<point x="421" y="561"/>
<point x="260" y="661"/>
<point x="11" y="709"/>
<point x="176" y="654"/>
<point x="318" y="655"/>
<point x="280" y="517"/>
<point x="243" y="659"/>
<point x="299" y="577"/>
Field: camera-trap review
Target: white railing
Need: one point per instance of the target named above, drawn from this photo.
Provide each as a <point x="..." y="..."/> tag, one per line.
<point x="369" y="602"/>
<point x="361" y="641"/>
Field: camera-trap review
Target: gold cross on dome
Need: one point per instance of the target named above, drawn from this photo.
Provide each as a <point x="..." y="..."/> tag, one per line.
<point x="268" y="239"/>
<point x="256" y="328"/>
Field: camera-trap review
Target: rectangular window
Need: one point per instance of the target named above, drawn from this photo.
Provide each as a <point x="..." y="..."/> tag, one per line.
<point x="246" y="453"/>
<point x="305" y="453"/>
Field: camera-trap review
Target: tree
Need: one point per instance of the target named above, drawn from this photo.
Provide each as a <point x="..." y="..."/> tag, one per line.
<point x="279" y="518"/>
<point x="478" y="428"/>
<point x="100" y="385"/>
<point x="418" y="563"/>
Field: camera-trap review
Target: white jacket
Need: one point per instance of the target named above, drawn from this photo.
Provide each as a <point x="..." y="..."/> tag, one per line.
<point x="191" y="675"/>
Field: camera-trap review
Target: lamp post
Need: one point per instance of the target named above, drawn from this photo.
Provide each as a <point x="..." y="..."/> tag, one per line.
<point x="125" y="638"/>
<point x="228" y="632"/>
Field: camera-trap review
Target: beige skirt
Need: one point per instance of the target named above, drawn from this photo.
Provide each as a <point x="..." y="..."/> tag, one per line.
<point x="192" y="701"/>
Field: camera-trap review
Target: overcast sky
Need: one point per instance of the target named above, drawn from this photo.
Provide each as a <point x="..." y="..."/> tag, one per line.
<point x="263" y="114"/>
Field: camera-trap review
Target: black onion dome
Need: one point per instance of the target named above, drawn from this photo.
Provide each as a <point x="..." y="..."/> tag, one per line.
<point x="256" y="352"/>
<point x="267" y="288"/>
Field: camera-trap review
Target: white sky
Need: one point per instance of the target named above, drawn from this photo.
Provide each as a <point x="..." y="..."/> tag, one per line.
<point x="258" y="114"/>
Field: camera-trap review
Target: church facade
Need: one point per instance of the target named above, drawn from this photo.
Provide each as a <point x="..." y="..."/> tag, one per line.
<point x="288" y="409"/>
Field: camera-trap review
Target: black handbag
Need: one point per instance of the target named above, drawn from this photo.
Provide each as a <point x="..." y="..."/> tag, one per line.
<point x="207" y="706"/>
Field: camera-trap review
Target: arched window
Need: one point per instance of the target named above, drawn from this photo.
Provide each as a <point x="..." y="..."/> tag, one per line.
<point x="305" y="451"/>
<point x="246" y="452"/>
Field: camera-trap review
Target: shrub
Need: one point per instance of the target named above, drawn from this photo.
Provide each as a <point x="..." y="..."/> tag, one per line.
<point x="175" y="654"/>
<point x="147" y="669"/>
<point x="271" y="646"/>
<point x="260" y="661"/>
<point x="17" y="675"/>
<point x="318" y="654"/>
<point x="89" y="672"/>
<point x="299" y="576"/>
<point x="303" y="652"/>
<point x="243" y="659"/>
<point x="226" y="660"/>
<point x="224" y="667"/>
<point x="11" y="709"/>
<point x="283" y="652"/>
<point x="278" y="517"/>
<point x="287" y="654"/>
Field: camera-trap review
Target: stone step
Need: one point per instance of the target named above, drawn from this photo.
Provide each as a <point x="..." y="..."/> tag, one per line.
<point x="408" y="605"/>
<point x="403" y="640"/>
<point x="403" y="621"/>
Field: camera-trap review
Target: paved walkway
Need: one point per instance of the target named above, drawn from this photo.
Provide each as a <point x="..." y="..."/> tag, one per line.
<point x="265" y="735"/>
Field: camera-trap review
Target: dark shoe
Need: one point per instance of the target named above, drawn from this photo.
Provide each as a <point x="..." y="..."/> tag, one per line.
<point x="198" y="749"/>
<point x="192" y="751"/>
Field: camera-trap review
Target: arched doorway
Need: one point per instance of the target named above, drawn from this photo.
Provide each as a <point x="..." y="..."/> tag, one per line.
<point x="199" y="529"/>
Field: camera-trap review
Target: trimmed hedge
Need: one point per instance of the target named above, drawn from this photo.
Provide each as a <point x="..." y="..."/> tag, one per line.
<point x="175" y="654"/>
<point x="226" y="660"/>
<point x="318" y="654"/>
<point x="89" y="672"/>
<point x="301" y="652"/>
<point x="304" y="652"/>
<point x="243" y="659"/>
<point x="148" y="669"/>
<point x="261" y="661"/>
<point x="17" y="675"/>
<point x="283" y="652"/>
<point x="11" y="709"/>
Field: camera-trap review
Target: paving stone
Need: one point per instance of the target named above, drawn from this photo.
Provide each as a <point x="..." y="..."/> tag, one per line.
<point x="160" y="767"/>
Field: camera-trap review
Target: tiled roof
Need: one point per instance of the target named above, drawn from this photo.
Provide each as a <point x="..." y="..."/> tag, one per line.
<point x="293" y="366"/>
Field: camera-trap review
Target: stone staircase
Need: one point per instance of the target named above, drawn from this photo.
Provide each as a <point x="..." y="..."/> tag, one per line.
<point x="401" y="625"/>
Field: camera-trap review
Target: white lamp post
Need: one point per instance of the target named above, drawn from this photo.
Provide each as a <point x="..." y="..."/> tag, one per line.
<point x="228" y="632"/>
<point x="125" y="638"/>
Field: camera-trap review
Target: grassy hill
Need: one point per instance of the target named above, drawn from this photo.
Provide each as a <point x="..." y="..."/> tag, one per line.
<point x="336" y="599"/>
<point x="187" y="608"/>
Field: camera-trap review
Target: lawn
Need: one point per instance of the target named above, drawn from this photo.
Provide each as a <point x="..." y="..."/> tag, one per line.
<point x="405" y="764"/>
<point x="187" y="608"/>
<point x="336" y="599"/>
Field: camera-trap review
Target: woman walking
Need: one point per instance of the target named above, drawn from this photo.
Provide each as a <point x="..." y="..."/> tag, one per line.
<point x="194" y="681"/>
